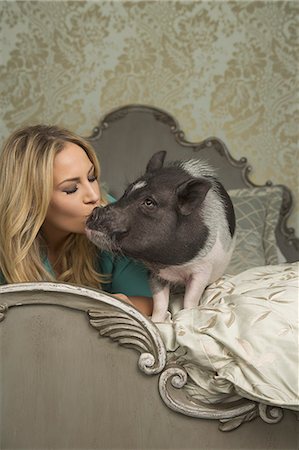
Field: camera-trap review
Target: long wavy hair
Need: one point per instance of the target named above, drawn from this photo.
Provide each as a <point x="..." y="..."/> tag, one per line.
<point x="26" y="186"/>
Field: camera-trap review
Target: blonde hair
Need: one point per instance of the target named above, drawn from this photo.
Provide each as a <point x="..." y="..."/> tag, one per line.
<point x="26" y="186"/>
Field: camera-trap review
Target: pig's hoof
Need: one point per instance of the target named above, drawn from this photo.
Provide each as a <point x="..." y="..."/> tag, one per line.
<point x="161" y="318"/>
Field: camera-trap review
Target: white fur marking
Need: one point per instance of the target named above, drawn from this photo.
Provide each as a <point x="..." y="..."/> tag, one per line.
<point x="198" y="168"/>
<point x="138" y="185"/>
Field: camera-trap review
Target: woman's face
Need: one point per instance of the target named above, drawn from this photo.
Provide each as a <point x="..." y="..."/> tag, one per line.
<point x="75" y="193"/>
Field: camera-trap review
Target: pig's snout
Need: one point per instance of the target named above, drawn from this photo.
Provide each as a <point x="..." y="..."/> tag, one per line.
<point x="94" y="219"/>
<point x="108" y="221"/>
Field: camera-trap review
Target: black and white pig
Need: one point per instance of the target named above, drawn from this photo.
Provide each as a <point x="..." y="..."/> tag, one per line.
<point x="178" y="220"/>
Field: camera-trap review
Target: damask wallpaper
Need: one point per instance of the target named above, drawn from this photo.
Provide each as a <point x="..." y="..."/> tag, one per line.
<point x="228" y="69"/>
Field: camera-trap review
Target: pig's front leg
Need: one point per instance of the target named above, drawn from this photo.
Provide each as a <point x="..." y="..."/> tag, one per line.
<point x="160" y="290"/>
<point x="195" y="287"/>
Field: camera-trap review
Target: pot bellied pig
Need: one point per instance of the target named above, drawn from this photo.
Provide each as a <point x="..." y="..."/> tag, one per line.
<point x="178" y="220"/>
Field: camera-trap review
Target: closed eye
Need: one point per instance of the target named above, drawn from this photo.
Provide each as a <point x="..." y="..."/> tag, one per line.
<point x="71" y="191"/>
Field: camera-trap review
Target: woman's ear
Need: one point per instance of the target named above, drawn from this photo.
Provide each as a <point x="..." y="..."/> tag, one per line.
<point x="191" y="194"/>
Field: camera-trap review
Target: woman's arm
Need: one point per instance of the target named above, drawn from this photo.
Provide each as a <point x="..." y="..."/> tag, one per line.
<point x="143" y="304"/>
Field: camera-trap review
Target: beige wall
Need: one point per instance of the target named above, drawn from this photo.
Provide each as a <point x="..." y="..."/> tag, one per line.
<point x="221" y="68"/>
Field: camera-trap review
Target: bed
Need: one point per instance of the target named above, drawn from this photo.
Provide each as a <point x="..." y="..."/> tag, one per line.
<point x="68" y="382"/>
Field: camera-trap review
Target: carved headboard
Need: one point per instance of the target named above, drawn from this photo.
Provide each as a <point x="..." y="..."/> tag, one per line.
<point x="126" y="138"/>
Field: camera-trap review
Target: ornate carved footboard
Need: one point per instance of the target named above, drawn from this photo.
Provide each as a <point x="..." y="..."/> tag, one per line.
<point x="124" y="324"/>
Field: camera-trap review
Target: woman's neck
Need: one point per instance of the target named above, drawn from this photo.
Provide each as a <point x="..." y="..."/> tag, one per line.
<point x="54" y="245"/>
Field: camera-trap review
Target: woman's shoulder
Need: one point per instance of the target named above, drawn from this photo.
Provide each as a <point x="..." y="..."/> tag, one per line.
<point x="104" y="261"/>
<point x="127" y="275"/>
<point x="108" y="262"/>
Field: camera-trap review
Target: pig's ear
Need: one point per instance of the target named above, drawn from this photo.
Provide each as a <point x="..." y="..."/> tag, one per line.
<point x="156" y="161"/>
<point x="191" y="194"/>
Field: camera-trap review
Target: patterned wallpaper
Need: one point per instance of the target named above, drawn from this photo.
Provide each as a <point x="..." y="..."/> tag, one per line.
<point x="222" y="68"/>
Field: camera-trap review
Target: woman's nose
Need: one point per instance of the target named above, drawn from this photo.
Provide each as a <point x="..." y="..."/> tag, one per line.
<point x="92" y="194"/>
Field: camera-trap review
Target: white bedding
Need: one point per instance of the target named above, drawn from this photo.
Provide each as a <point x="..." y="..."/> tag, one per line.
<point x="243" y="338"/>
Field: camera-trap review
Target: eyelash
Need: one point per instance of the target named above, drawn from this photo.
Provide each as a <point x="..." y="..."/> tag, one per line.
<point x="72" y="191"/>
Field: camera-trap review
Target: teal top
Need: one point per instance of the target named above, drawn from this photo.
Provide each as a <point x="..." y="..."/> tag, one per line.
<point x="124" y="275"/>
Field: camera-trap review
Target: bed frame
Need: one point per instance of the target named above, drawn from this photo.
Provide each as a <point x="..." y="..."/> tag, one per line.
<point x="63" y="388"/>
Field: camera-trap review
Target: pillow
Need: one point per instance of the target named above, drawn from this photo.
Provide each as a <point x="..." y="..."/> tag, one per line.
<point x="257" y="215"/>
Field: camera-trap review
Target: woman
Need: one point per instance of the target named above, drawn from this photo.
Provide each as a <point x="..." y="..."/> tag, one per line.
<point x="49" y="184"/>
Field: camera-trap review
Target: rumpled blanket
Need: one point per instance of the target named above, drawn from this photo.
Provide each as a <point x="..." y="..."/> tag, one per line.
<point x="242" y="340"/>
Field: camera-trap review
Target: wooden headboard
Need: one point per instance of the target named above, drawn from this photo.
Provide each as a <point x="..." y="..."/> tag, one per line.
<point x="126" y="138"/>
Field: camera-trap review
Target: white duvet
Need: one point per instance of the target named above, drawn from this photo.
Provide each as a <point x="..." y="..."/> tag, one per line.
<point x="242" y="340"/>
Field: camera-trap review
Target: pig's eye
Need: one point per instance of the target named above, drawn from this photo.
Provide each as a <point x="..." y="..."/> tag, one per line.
<point x="149" y="202"/>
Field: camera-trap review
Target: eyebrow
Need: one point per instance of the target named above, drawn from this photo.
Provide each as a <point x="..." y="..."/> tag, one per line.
<point x="76" y="178"/>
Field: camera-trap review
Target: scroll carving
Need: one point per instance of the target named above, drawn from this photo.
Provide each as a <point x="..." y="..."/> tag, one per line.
<point x="230" y="415"/>
<point x="128" y="332"/>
